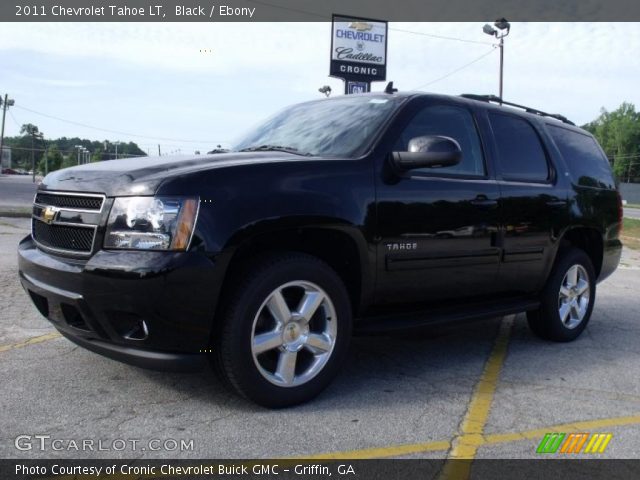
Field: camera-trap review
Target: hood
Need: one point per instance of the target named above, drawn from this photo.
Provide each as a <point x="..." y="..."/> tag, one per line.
<point x="143" y="175"/>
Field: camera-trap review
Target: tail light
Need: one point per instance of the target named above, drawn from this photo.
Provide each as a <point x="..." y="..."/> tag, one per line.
<point x="620" y="213"/>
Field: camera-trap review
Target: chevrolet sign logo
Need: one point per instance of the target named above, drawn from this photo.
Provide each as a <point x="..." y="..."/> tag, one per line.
<point x="48" y="215"/>
<point x="361" y="26"/>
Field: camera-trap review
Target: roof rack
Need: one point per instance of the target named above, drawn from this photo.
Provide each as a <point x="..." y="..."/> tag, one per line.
<point x="496" y="99"/>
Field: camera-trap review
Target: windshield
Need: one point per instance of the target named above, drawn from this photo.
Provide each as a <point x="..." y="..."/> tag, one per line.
<point x="339" y="127"/>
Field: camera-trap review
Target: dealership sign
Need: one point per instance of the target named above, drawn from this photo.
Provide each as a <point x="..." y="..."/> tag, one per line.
<point x="358" y="49"/>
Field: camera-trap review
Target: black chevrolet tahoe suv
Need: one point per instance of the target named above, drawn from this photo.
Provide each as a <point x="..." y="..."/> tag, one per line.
<point x="356" y="214"/>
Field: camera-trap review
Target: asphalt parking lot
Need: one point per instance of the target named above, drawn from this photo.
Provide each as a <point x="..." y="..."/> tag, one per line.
<point x="489" y="390"/>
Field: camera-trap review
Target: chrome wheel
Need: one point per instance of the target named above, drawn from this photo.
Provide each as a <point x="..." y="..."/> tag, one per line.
<point x="293" y="333"/>
<point x="573" y="299"/>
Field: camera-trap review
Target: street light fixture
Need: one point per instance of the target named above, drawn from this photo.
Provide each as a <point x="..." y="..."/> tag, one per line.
<point x="326" y="89"/>
<point x="503" y="28"/>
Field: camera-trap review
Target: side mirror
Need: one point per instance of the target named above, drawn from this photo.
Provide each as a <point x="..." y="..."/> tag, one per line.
<point x="431" y="151"/>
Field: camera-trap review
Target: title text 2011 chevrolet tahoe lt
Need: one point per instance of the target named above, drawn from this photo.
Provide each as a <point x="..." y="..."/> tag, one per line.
<point x="364" y="212"/>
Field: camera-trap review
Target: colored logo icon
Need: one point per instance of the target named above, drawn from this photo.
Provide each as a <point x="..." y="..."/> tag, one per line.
<point x="574" y="443"/>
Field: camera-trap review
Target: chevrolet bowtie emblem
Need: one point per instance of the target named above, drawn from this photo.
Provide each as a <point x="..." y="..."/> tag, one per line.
<point x="361" y="26"/>
<point x="48" y="215"/>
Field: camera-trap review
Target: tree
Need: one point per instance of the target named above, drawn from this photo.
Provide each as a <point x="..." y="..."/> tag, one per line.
<point x="619" y="134"/>
<point x="51" y="160"/>
<point x="69" y="161"/>
<point x="29" y="129"/>
<point x="100" y="150"/>
<point x="97" y="156"/>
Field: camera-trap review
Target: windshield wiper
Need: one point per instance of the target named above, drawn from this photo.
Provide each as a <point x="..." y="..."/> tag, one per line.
<point x="275" y="148"/>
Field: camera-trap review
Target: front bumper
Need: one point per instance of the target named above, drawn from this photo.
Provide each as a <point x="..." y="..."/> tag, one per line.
<point x="149" y="309"/>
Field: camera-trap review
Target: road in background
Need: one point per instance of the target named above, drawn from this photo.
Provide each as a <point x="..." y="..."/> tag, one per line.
<point x="632" y="212"/>
<point x="16" y="190"/>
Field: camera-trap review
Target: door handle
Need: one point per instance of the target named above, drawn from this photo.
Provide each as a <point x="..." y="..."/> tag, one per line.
<point x="556" y="203"/>
<point x="482" y="201"/>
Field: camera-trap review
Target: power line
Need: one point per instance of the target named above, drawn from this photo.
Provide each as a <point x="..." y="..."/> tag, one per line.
<point x="440" y="37"/>
<point x="456" y="70"/>
<point x="14" y="118"/>
<point x="326" y="17"/>
<point x="114" y="131"/>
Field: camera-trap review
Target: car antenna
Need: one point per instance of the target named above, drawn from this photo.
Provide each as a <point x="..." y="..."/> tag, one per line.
<point x="390" y="89"/>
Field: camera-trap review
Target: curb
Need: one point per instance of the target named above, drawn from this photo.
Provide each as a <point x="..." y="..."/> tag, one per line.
<point x="15" y="212"/>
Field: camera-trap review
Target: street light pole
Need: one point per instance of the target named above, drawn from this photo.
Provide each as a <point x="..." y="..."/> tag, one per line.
<point x="503" y="29"/>
<point x="501" y="64"/>
<point x="78" y="148"/>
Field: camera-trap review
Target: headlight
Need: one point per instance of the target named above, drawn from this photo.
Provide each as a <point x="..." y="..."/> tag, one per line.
<point x="151" y="223"/>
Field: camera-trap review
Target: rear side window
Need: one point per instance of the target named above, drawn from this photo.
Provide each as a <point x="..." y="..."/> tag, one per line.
<point x="587" y="165"/>
<point x="520" y="153"/>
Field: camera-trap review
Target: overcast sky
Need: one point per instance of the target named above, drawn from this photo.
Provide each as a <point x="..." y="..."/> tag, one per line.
<point x="151" y="82"/>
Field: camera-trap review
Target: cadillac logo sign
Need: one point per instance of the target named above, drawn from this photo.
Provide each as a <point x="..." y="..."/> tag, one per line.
<point x="48" y="215"/>
<point x="358" y="49"/>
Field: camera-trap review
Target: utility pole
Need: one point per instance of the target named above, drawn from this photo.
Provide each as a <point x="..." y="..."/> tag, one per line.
<point x="8" y="102"/>
<point x="39" y="136"/>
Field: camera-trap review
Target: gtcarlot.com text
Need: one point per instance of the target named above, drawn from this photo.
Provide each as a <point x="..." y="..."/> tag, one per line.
<point x="43" y="443"/>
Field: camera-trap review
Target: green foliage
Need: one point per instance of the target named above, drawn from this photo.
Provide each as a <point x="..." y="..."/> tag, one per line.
<point x="68" y="161"/>
<point x="619" y="134"/>
<point x="29" y="129"/>
<point x="51" y="160"/>
<point x="61" y="152"/>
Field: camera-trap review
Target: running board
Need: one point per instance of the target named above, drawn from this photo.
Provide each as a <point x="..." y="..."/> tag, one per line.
<point x="441" y="316"/>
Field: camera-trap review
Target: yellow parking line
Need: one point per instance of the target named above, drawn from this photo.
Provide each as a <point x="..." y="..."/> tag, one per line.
<point x="538" y="433"/>
<point x="381" y="452"/>
<point x="535" y="434"/>
<point x="31" y="341"/>
<point x="466" y="445"/>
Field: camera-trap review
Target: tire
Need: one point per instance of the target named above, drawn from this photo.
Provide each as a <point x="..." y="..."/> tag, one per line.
<point x="267" y="349"/>
<point x="564" y="314"/>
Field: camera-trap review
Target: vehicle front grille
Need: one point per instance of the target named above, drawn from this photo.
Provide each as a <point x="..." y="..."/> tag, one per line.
<point x="63" y="237"/>
<point x="69" y="201"/>
<point x="65" y="222"/>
